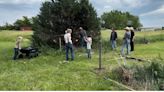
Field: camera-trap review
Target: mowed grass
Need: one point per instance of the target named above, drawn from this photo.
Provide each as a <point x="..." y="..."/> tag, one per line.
<point x="47" y="72"/>
<point x="153" y="49"/>
<point x="152" y="36"/>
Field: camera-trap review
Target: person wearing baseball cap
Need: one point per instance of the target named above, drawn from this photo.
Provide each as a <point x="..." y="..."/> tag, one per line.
<point x="126" y="41"/>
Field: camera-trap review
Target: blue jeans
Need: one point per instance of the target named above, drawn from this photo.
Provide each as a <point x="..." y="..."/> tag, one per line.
<point x="69" y="47"/>
<point x="16" y="52"/>
<point x="113" y="43"/>
<point x="126" y="44"/>
<point x="89" y="53"/>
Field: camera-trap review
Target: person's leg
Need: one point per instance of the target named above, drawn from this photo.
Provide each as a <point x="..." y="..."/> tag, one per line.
<point x="72" y="52"/>
<point x="128" y="48"/>
<point x="16" y="52"/>
<point x="90" y="53"/>
<point x="122" y="49"/>
<point x="115" y="46"/>
<point x="132" y="46"/>
<point x="112" y="43"/>
<point x="67" y="52"/>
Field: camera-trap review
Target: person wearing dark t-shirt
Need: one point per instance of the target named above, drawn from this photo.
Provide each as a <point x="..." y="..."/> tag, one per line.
<point x="132" y="38"/>
<point x="113" y="39"/>
<point x="83" y="37"/>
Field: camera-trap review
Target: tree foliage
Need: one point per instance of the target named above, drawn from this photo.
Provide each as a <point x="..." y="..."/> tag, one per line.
<point x="7" y="26"/>
<point x="56" y="16"/>
<point x="119" y="20"/>
<point x="23" y="22"/>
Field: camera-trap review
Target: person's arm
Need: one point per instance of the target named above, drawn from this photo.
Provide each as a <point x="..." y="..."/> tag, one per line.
<point x="85" y="39"/>
<point x="133" y="36"/>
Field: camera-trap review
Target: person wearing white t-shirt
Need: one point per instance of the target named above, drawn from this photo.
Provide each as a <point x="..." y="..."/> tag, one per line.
<point x="89" y="45"/>
<point x="69" y="45"/>
<point x="17" y="47"/>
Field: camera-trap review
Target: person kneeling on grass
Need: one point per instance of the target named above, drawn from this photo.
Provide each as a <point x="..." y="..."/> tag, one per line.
<point x="17" y="47"/>
<point x="68" y="44"/>
<point x="89" y="43"/>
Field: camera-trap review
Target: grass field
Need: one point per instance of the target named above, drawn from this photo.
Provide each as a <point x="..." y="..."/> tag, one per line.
<point x="47" y="72"/>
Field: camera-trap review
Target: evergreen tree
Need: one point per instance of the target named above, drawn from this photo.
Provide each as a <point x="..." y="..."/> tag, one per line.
<point x="56" y="16"/>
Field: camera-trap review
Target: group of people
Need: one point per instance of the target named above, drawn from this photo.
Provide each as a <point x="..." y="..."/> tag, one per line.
<point x="128" y="40"/>
<point x="85" y="41"/>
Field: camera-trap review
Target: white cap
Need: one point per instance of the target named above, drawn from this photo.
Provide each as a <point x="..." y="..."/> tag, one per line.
<point x="127" y="28"/>
<point x="131" y="28"/>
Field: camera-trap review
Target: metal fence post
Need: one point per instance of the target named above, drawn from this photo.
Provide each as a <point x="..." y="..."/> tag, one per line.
<point x="60" y="44"/>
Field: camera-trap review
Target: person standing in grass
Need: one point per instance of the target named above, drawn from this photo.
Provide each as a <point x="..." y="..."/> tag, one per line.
<point x="132" y="38"/>
<point x="89" y="44"/>
<point x="69" y="44"/>
<point x="17" y="47"/>
<point x="83" y="37"/>
<point x="113" y="39"/>
<point x="126" y="41"/>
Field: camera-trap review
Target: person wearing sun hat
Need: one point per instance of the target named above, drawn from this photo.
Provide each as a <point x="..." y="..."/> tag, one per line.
<point x="132" y="38"/>
<point x="17" y="47"/>
<point x="126" y="41"/>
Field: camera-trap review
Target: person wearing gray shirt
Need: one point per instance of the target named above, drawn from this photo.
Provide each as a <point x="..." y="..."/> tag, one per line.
<point x="126" y="41"/>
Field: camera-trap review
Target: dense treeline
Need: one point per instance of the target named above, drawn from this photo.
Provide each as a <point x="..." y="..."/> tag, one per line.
<point x="119" y="20"/>
<point x="24" y="22"/>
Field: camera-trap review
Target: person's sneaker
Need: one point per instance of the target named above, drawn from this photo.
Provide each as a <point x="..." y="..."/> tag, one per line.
<point x="65" y="62"/>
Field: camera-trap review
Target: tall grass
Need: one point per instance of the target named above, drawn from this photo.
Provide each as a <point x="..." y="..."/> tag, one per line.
<point x="141" y="77"/>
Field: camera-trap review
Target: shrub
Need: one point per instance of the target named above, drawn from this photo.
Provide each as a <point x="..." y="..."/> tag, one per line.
<point x="146" y="77"/>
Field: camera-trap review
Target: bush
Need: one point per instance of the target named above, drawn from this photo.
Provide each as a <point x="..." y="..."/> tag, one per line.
<point x="146" y="77"/>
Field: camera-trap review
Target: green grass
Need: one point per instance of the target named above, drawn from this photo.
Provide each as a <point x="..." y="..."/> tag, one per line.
<point x="46" y="72"/>
<point x="151" y="36"/>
